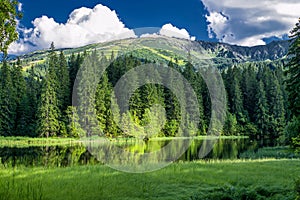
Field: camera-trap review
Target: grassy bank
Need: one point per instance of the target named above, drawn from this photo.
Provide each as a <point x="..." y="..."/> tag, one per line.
<point x="28" y="141"/>
<point x="52" y="141"/>
<point x="240" y="179"/>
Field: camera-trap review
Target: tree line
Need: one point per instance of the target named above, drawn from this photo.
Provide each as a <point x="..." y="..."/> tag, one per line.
<point x="38" y="102"/>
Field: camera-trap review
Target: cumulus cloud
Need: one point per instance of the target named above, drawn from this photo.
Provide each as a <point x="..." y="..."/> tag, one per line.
<point x="168" y="30"/>
<point x="84" y="26"/>
<point x="172" y="31"/>
<point x="247" y="22"/>
<point x="20" y="5"/>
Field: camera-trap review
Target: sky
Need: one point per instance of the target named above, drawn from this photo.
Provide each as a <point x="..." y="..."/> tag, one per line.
<point x="74" y="23"/>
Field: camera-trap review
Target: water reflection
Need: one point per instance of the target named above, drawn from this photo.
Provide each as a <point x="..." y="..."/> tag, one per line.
<point x="54" y="156"/>
<point x="132" y="151"/>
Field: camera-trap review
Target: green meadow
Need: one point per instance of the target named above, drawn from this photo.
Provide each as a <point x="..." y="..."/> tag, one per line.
<point x="214" y="179"/>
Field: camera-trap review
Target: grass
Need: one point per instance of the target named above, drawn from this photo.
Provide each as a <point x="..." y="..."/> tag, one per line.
<point x="54" y="141"/>
<point x="271" y="152"/>
<point x="238" y="179"/>
<point x="28" y="141"/>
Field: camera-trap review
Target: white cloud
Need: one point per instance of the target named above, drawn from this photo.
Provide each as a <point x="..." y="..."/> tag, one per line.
<point x="20" y="5"/>
<point x="247" y="22"/>
<point x="172" y="31"/>
<point x="84" y="26"/>
<point x="153" y="35"/>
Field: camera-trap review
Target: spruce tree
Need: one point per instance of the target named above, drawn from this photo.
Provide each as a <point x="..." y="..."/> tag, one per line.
<point x="88" y="78"/>
<point x="293" y="72"/>
<point x="6" y="101"/>
<point x="33" y="88"/>
<point x="261" y="111"/>
<point x="276" y="109"/>
<point x="293" y="85"/>
<point x="249" y="87"/>
<point x="63" y="92"/>
<point x="48" y="112"/>
<point x="49" y="115"/>
<point x="73" y="126"/>
<point x="20" y="100"/>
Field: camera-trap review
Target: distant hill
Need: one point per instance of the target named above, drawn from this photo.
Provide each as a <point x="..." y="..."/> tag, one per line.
<point x="154" y="48"/>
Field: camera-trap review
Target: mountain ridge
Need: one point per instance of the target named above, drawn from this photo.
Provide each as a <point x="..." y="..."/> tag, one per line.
<point x="220" y="52"/>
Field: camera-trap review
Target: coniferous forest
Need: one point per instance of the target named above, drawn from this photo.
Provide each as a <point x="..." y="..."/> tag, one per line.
<point x="82" y="122"/>
<point x="38" y="102"/>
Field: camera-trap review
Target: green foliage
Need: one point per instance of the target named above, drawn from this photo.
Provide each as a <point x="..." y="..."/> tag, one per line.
<point x="8" y="23"/>
<point x="293" y="84"/>
<point x="256" y="98"/>
<point x="270" y="152"/>
<point x="230" y="126"/>
<point x="85" y="91"/>
<point x="73" y="126"/>
<point x="48" y="112"/>
<point x="261" y="115"/>
<point x="7" y="105"/>
<point x="292" y="129"/>
<point x="293" y="72"/>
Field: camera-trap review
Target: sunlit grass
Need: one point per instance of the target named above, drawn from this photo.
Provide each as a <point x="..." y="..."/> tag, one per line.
<point x="27" y="141"/>
<point x="183" y="180"/>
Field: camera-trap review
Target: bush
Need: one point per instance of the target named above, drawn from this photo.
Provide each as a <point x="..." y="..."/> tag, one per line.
<point x="292" y="130"/>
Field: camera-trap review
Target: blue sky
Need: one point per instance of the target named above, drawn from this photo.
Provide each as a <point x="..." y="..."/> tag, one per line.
<point x="240" y="22"/>
<point x="133" y="13"/>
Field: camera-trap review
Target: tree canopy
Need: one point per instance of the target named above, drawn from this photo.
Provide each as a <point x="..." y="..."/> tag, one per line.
<point x="8" y="21"/>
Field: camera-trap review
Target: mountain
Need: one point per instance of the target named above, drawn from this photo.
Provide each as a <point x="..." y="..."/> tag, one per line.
<point x="272" y="51"/>
<point x="162" y="48"/>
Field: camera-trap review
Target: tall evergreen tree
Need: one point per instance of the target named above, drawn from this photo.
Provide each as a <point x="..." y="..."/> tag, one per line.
<point x="85" y="92"/>
<point x="20" y="100"/>
<point x="63" y="92"/>
<point x="33" y="88"/>
<point x="6" y="101"/>
<point x="293" y="72"/>
<point x="249" y="87"/>
<point x="293" y="85"/>
<point x="261" y="115"/>
<point x="73" y="126"/>
<point x="276" y="109"/>
<point x="48" y="112"/>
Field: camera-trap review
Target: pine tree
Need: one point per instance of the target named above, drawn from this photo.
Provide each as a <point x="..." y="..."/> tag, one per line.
<point x="230" y="125"/>
<point x="6" y="101"/>
<point x="49" y="116"/>
<point x="249" y="87"/>
<point x="235" y="96"/>
<point x="85" y="92"/>
<point x="103" y="102"/>
<point x="293" y="72"/>
<point x="261" y="115"/>
<point x="63" y="92"/>
<point x="33" y="88"/>
<point x="74" y="65"/>
<point x="20" y="100"/>
<point x="293" y="85"/>
<point x="276" y="109"/>
<point x="73" y="126"/>
<point x="48" y="112"/>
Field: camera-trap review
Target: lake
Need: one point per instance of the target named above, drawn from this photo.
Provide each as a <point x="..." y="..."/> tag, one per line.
<point x="102" y="153"/>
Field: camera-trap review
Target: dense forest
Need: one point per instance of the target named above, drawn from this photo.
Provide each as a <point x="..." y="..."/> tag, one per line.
<point x="38" y="102"/>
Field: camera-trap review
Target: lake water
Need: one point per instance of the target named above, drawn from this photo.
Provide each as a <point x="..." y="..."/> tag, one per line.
<point x="60" y="156"/>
